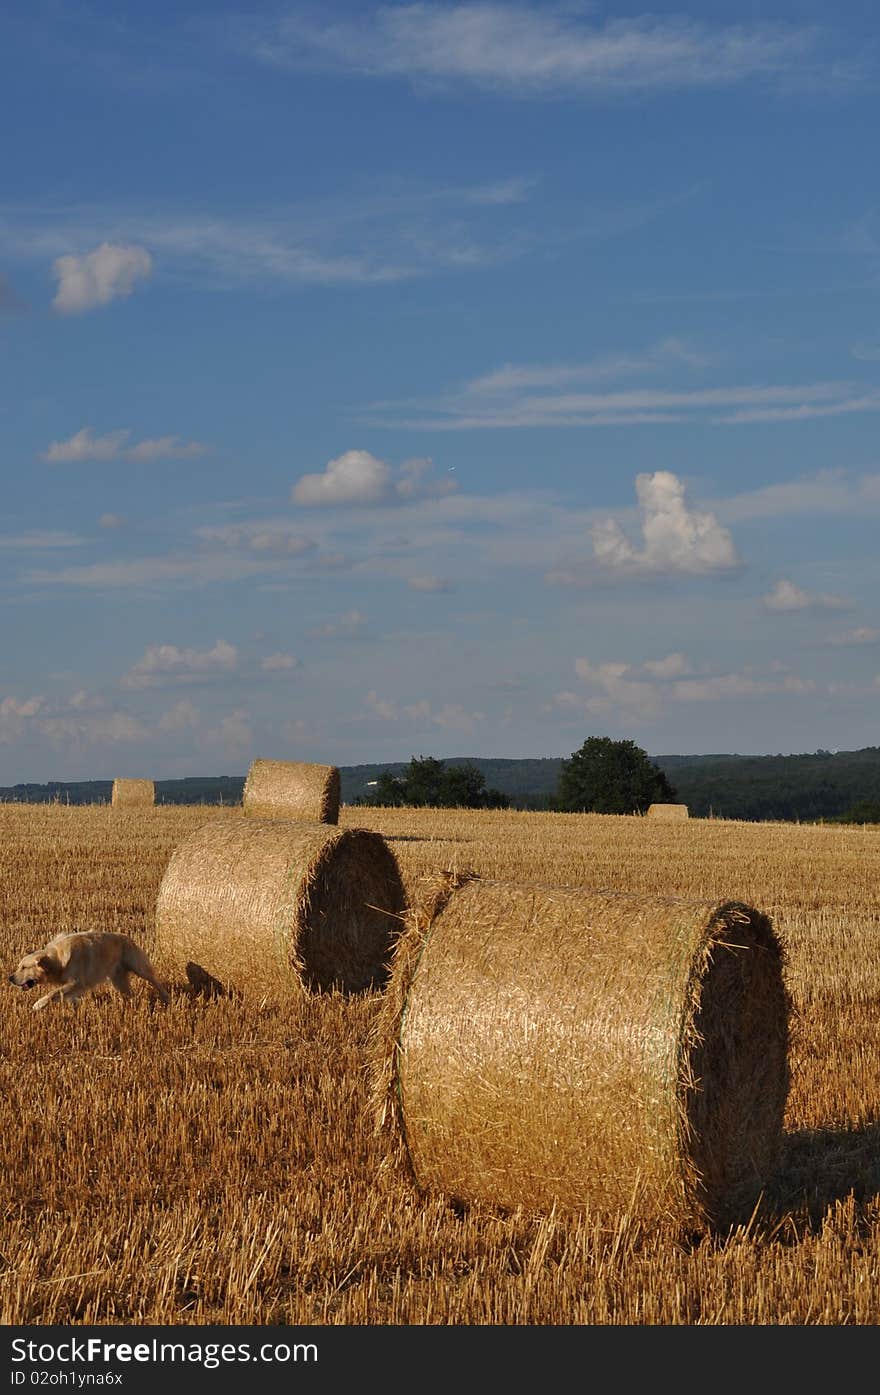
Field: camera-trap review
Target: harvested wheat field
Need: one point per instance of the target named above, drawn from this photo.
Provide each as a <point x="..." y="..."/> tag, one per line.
<point x="216" y="1161"/>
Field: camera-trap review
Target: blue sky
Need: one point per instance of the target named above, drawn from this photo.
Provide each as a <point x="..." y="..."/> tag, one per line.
<point x="436" y="378"/>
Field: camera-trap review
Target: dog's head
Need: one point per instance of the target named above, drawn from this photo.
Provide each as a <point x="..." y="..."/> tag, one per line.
<point x="38" y="966"/>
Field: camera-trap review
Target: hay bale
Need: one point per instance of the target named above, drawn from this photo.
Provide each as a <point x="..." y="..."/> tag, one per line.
<point x="261" y="904"/>
<point x="133" y="794"/>
<point x="289" y="789"/>
<point x="594" y="1050"/>
<point x="668" y="811"/>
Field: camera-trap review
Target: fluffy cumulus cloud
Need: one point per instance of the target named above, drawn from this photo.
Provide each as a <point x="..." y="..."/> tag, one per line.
<point x="360" y="479"/>
<point x="166" y="663"/>
<point x="675" y="538"/>
<point x="110" y="272"/>
<point x="786" y="597"/>
<point x="115" y="445"/>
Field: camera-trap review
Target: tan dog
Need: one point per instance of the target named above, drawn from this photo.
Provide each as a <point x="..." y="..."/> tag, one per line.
<point x="71" y="965"/>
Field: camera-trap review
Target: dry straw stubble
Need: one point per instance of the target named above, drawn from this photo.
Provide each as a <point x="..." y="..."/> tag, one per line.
<point x="285" y="789"/>
<point x="597" y="1051"/>
<point x="263" y="904"/>
<point x="133" y="794"/>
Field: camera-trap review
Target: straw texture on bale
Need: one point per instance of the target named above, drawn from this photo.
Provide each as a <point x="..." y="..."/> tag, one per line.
<point x="259" y="904"/>
<point x="668" y="811"/>
<point x="595" y="1050"/>
<point x="133" y="794"/>
<point x="287" y="789"/>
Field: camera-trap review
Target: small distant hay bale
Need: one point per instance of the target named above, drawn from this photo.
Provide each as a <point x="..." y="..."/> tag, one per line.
<point x="672" y="812"/>
<point x="262" y="904"/>
<point x="133" y="794"/>
<point x="593" y="1050"/>
<point x="287" y="789"/>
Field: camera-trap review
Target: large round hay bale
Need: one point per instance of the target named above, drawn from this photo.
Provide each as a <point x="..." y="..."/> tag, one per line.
<point x="591" y="1049"/>
<point x="260" y="904"/>
<point x="288" y="789"/>
<point x="668" y="811"/>
<point x="133" y="794"/>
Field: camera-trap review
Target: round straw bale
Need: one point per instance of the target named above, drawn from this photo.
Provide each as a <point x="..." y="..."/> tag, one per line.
<point x="265" y="903"/>
<point x="289" y="789"/>
<point x="595" y="1050"/>
<point x="133" y="794"/>
<point x="668" y="811"/>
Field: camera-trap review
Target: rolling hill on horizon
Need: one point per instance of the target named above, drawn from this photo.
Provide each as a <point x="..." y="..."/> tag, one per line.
<point x="815" y="785"/>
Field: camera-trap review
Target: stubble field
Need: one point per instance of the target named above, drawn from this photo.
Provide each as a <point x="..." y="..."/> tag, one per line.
<point x="214" y="1162"/>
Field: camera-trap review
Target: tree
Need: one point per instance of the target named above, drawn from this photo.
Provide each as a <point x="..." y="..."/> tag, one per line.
<point x="427" y="783"/>
<point x="611" y="777"/>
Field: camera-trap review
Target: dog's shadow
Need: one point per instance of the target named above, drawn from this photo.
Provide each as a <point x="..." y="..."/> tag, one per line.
<point x="200" y="985"/>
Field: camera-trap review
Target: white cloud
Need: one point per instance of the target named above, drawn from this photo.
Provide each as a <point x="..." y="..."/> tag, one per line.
<point x="787" y="597"/>
<point x="861" y="635"/>
<point x="159" y="571"/>
<point x="450" y="717"/>
<point x="527" y="50"/>
<point x="513" y="377"/>
<point x="37" y="541"/>
<point x="85" y="445"/>
<point x="277" y="663"/>
<point x="167" y="663"/>
<point x="672" y="666"/>
<point x="356" y="477"/>
<point x="280" y="539"/>
<point x="234" y="731"/>
<point x="737" y="685"/>
<point x="827" y="492"/>
<point x="112" y="521"/>
<point x="14" y="714"/>
<point x="429" y="583"/>
<point x="113" y="728"/>
<point x="503" y="399"/>
<point x="675" y="538"/>
<point x="359" y="478"/>
<point x="347" y="625"/>
<point x="616" y="685"/>
<point x="183" y="716"/>
<point x="415" y="481"/>
<point x="108" y="273"/>
<point x="640" y="691"/>
<point x="164" y="448"/>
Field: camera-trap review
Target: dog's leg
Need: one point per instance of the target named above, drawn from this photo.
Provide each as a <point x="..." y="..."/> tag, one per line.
<point x="119" y="979"/>
<point x="64" y="993"/>
<point x="46" y="999"/>
<point x="145" y="971"/>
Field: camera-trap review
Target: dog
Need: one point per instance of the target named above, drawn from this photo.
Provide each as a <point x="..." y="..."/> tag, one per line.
<point x="72" y="965"/>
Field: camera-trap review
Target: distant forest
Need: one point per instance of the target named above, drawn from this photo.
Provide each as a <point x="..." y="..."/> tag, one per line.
<point x="819" y="785"/>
